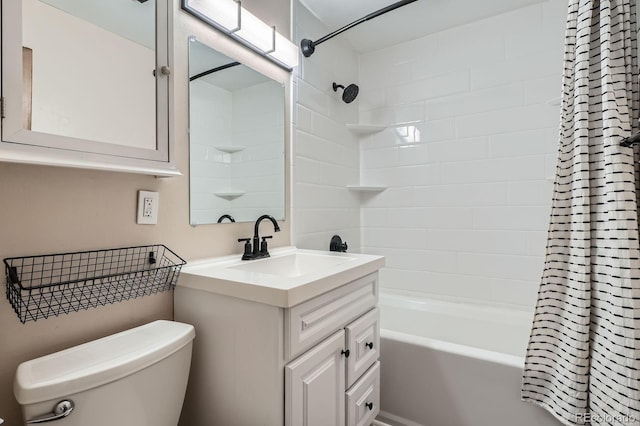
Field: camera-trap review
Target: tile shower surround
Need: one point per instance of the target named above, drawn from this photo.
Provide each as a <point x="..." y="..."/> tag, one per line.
<point x="473" y="116"/>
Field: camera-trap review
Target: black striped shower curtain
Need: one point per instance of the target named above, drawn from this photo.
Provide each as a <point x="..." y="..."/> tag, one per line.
<point x="583" y="358"/>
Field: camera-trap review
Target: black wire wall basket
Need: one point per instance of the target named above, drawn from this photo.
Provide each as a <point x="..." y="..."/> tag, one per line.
<point x="54" y="284"/>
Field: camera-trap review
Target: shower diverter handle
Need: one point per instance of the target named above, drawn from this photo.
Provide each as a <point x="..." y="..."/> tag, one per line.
<point x="60" y="411"/>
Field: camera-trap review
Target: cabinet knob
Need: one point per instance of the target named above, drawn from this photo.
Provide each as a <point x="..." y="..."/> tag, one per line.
<point x="369" y="405"/>
<point x="346" y="353"/>
<point x="369" y="345"/>
<point x="164" y="70"/>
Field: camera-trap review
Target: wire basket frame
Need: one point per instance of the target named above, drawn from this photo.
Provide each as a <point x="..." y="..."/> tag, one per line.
<point x="54" y="284"/>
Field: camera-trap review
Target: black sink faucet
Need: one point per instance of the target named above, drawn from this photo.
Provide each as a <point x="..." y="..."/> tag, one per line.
<point x="260" y="250"/>
<point x="256" y="238"/>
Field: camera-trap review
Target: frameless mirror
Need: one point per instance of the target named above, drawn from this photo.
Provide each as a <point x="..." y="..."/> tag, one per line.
<point x="88" y="75"/>
<point x="236" y="140"/>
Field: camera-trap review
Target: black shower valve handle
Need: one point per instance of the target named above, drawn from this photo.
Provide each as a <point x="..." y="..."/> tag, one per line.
<point x="336" y="244"/>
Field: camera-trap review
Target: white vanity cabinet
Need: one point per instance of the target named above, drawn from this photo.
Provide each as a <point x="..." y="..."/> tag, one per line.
<point x="316" y="381"/>
<point x="316" y="387"/>
<point x="314" y="363"/>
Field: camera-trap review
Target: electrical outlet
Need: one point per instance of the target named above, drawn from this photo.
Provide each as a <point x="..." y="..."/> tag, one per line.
<point x="148" y="204"/>
<point x="148" y="207"/>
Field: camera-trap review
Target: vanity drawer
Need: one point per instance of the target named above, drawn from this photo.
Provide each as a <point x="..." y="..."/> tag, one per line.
<point x="363" y="399"/>
<point x="308" y="323"/>
<point x="363" y="342"/>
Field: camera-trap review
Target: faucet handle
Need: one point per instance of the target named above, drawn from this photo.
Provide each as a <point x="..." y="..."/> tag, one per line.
<point x="263" y="244"/>
<point x="247" y="247"/>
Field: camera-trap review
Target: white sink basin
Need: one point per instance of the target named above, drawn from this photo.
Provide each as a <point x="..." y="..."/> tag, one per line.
<point x="293" y="265"/>
<point x="290" y="276"/>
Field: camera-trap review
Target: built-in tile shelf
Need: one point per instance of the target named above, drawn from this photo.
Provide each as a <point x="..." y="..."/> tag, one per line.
<point x="229" y="194"/>
<point x="366" y="188"/>
<point x="365" y="129"/>
<point x="229" y="149"/>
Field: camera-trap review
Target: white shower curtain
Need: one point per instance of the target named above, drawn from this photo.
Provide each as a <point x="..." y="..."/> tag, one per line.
<point x="583" y="359"/>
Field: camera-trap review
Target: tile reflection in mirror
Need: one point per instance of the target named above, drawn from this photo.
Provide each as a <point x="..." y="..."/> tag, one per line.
<point x="236" y="139"/>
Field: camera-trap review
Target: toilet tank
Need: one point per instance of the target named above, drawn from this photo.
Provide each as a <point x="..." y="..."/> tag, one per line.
<point x="134" y="378"/>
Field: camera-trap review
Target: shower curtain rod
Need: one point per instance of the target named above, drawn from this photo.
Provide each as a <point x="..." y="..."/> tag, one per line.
<point x="308" y="46"/>
<point x="212" y="70"/>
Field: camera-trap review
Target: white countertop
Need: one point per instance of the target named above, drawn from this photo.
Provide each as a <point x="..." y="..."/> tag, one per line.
<point x="283" y="286"/>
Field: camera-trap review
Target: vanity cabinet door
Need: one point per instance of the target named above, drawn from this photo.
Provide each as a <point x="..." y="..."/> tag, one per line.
<point x="314" y="385"/>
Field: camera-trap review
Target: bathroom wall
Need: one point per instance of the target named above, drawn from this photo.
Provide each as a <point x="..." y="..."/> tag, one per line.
<point x="473" y="114"/>
<point x="49" y="209"/>
<point x="325" y="153"/>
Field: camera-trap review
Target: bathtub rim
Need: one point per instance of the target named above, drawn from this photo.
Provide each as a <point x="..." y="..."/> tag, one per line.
<point x="454" y="348"/>
<point x="439" y="303"/>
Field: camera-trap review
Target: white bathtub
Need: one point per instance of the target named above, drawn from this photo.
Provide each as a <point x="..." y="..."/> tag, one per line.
<point x="453" y="364"/>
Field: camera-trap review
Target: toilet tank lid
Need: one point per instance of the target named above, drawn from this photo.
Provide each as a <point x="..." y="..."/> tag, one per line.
<point x="99" y="362"/>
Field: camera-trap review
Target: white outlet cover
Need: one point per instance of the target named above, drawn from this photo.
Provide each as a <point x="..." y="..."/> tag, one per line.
<point x="154" y="199"/>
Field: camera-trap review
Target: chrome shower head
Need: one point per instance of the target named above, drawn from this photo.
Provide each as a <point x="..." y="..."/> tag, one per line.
<point x="349" y="93"/>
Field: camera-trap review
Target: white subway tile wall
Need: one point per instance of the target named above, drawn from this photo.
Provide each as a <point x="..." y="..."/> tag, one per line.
<point x="326" y="154"/>
<point x="472" y="115"/>
<point x="473" y="122"/>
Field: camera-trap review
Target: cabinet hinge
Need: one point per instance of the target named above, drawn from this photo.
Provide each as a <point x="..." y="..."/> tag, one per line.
<point x="3" y="110"/>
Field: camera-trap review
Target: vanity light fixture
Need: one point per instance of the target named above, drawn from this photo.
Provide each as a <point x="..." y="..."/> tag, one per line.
<point x="229" y="17"/>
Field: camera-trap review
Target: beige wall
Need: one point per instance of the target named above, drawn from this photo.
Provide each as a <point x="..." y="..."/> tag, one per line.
<point x="48" y="209"/>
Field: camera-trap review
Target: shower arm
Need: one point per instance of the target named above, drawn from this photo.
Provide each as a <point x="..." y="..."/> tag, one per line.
<point x="308" y="46"/>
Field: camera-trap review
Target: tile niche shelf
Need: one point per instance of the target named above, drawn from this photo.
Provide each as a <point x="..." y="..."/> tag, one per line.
<point x="366" y="188"/>
<point x="365" y="129"/>
<point x="229" y="149"/>
<point x="230" y="194"/>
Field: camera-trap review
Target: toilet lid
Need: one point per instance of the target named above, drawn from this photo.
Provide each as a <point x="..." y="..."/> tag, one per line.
<point x="99" y="362"/>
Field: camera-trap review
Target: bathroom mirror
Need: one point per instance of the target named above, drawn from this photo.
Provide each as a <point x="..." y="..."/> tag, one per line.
<point x="236" y="140"/>
<point x="80" y="76"/>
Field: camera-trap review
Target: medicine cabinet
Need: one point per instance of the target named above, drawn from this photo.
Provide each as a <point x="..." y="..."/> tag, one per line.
<point x="86" y="84"/>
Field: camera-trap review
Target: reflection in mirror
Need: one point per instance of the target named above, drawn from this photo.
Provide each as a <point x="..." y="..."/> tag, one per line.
<point x="236" y="140"/>
<point x="88" y="70"/>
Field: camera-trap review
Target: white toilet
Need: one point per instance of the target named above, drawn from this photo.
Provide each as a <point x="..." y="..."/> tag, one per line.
<point x="134" y="378"/>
